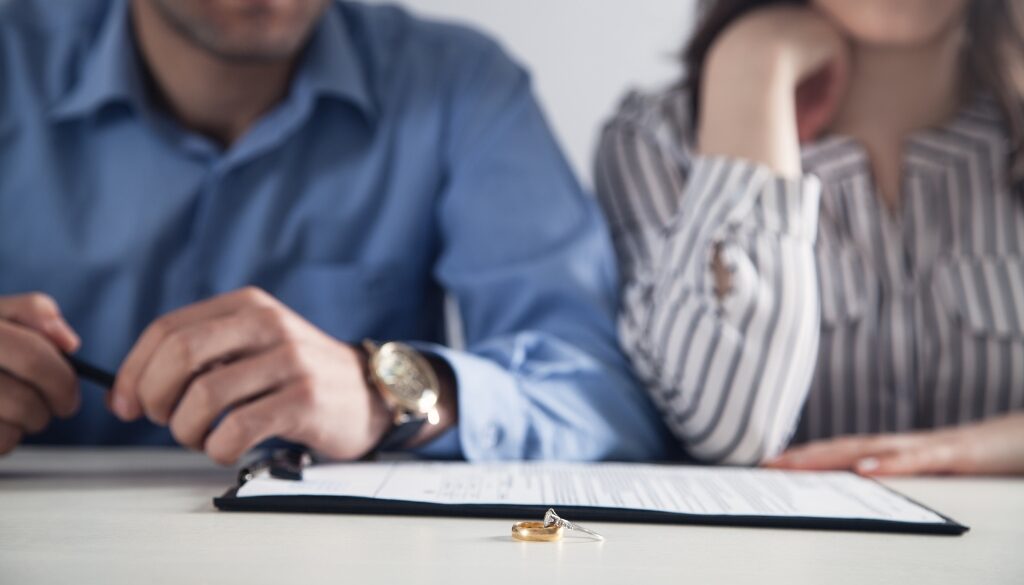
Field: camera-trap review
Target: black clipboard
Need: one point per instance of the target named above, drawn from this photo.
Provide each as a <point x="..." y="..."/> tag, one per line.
<point x="288" y="465"/>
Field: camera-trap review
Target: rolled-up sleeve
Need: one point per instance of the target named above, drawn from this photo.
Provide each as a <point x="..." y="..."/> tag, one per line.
<point x="526" y="255"/>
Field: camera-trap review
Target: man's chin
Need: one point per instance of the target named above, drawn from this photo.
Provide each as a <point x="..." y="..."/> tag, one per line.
<point x="254" y="55"/>
<point x="256" y="48"/>
<point x="253" y="39"/>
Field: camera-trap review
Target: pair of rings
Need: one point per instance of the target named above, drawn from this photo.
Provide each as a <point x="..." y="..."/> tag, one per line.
<point x="550" y="530"/>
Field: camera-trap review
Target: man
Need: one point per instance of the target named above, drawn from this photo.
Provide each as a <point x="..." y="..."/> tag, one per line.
<point x="225" y="197"/>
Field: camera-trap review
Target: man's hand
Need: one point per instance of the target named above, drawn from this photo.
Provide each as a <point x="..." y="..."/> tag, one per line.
<point x="991" y="447"/>
<point x="36" y="382"/>
<point x="249" y="356"/>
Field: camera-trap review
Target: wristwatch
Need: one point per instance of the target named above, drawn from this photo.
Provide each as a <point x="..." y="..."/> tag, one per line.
<point x="409" y="386"/>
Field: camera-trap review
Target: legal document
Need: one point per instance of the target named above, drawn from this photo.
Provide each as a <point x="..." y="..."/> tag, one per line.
<point x="679" y="489"/>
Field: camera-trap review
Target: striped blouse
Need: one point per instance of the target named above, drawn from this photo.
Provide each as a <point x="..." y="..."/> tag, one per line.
<point x="842" y="317"/>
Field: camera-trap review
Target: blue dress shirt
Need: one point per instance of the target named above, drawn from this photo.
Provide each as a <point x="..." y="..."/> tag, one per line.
<point x="408" y="160"/>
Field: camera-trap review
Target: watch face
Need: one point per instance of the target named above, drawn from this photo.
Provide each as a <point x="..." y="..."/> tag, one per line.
<point x="407" y="376"/>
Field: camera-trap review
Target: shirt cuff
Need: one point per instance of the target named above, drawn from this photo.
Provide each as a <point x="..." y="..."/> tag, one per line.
<point x="754" y="196"/>
<point x="491" y="424"/>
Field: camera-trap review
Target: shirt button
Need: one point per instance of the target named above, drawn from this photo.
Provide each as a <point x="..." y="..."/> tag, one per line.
<point x="490" y="436"/>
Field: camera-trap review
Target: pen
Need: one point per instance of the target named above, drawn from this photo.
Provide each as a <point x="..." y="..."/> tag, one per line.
<point x="90" y="372"/>
<point x="283" y="463"/>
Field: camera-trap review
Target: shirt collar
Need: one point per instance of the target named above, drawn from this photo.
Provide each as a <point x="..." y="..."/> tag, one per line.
<point x="111" y="72"/>
<point x="331" y="65"/>
<point x="979" y="122"/>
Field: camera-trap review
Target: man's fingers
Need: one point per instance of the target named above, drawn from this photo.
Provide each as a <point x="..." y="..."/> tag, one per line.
<point x="40" y="313"/>
<point x="10" y="436"/>
<point x="196" y="348"/>
<point x="125" y="393"/>
<point x="221" y="388"/>
<point x="22" y="406"/>
<point x="277" y="414"/>
<point x="26" y="355"/>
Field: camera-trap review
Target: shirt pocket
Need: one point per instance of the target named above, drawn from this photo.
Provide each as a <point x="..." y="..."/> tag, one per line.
<point x="984" y="294"/>
<point x="347" y="301"/>
<point x="844" y="281"/>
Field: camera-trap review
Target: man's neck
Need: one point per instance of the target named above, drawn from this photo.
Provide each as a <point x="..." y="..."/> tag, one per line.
<point x="896" y="91"/>
<point x="217" y="98"/>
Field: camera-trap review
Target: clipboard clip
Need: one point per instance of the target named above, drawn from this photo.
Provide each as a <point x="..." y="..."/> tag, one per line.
<point x="283" y="463"/>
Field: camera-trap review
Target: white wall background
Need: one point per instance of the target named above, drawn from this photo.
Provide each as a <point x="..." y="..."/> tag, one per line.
<point x="584" y="54"/>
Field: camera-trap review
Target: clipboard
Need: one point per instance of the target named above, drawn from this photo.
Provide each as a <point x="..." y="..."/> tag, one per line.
<point x="290" y="492"/>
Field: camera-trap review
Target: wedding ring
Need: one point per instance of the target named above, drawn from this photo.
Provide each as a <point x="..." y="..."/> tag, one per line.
<point x="553" y="519"/>
<point x="536" y="532"/>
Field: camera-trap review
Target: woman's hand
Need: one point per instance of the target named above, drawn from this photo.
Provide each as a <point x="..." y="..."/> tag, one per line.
<point x="773" y="79"/>
<point x="992" y="447"/>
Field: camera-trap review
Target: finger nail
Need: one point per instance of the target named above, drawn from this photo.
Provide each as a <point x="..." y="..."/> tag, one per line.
<point x="76" y="405"/>
<point x="52" y="327"/>
<point x="867" y="464"/>
<point x="58" y="330"/>
<point x="120" y="406"/>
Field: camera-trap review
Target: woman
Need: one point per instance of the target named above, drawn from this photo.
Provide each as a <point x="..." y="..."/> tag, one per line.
<point x="822" y="235"/>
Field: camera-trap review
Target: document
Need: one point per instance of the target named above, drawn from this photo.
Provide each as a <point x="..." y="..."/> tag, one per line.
<point x="692" y="490"/>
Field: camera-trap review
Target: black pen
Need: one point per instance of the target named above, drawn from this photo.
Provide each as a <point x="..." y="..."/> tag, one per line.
<point x="90" y="372"/>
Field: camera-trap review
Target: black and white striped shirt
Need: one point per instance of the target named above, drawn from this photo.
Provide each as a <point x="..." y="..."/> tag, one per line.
<point x="843" y="317"/>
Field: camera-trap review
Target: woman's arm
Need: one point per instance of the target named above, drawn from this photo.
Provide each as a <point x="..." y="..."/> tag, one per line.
<point x="772" y="80"/>
<point x="728" y="372"/>
<point x="720" y="309"/>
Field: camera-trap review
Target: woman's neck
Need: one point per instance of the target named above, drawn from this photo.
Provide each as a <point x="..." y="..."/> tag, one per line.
<point x="903" y="89"/>
<point x="895" y="91"/>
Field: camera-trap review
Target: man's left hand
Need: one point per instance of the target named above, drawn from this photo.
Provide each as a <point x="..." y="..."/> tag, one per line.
<point x="992" y="447"/>
<point x="270" y="372"/>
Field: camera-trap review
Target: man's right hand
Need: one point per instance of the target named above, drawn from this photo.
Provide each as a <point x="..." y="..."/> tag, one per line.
<point x="36" y="382"/>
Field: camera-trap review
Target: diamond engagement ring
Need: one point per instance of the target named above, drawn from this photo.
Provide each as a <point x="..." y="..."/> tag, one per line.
<point x="551" y="518"/>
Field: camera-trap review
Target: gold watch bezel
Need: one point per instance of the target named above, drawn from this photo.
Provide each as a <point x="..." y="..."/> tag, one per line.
<point x="403" y="410"/>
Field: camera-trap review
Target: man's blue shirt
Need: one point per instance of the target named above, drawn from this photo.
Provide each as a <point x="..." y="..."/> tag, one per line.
<point x="408" y="160"/>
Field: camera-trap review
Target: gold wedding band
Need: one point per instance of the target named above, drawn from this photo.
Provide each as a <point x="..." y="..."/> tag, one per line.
<point x="536" y="532"/>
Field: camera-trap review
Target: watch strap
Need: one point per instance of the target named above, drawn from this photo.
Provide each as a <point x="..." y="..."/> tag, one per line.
<point x="399" y="435"/>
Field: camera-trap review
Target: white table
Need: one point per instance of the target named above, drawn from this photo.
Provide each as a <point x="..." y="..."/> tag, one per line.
<point x="74" y="516"/>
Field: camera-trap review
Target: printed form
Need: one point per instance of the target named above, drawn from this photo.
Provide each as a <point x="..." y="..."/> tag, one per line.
<point x="663" y="488"/>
